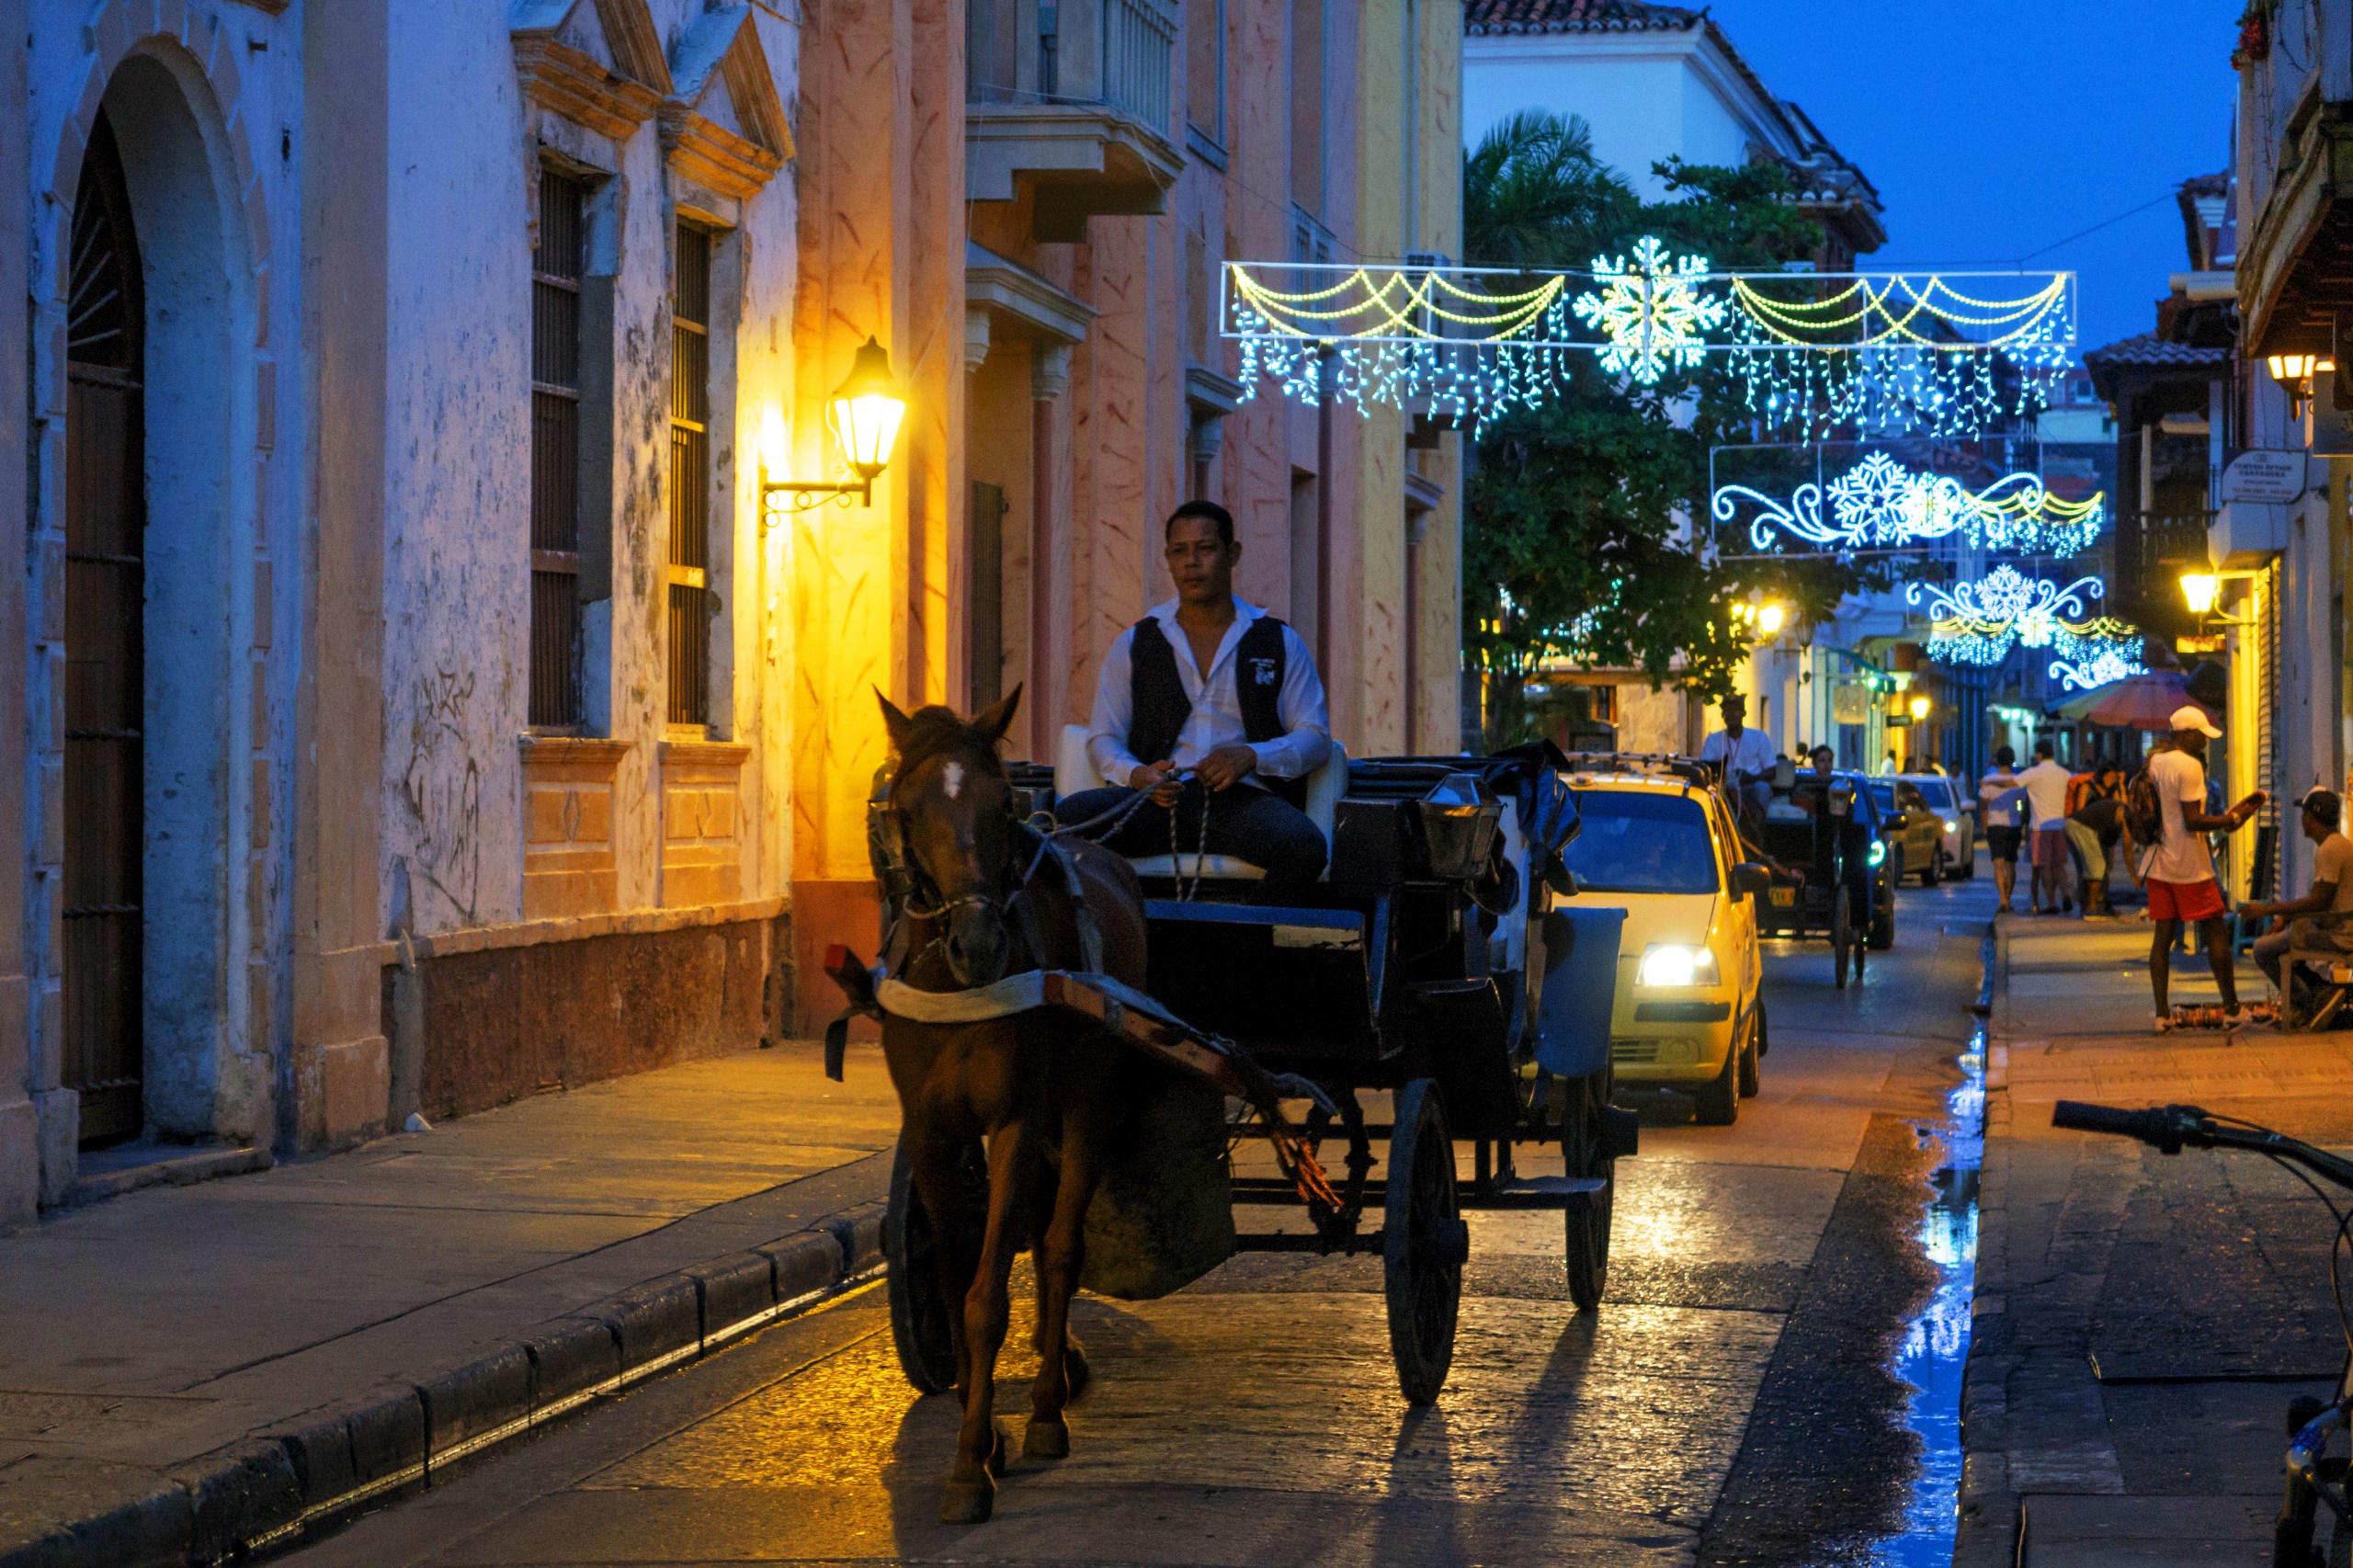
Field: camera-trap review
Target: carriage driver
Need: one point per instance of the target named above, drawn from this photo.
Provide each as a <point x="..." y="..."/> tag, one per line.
<point x="1249" y="729"/>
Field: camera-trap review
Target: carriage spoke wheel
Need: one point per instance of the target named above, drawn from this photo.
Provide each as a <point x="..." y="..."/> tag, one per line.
<point x="921" y="1326"/>
<point x="1424" y="1242"/>
<point x="1586" y="1239"/>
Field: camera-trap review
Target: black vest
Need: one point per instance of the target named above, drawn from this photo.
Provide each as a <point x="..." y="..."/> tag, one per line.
<point x="1160" y="706"/>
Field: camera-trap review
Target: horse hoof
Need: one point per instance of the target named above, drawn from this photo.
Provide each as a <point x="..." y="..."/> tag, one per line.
<point x="1046" y="1439"/>
<point x="1076" y="1373"/>
<point x="968" y="1502"/>
<point x="996" y="1452"/>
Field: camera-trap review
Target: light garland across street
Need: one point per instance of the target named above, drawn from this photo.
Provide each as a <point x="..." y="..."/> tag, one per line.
<point x="1924" y="352"/>
<point x="1980" y="622"/>
<point x="1880" y="504"/>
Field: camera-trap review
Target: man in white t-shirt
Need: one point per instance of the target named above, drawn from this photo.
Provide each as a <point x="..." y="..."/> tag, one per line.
<point x="1747" y="754"/>
<point x="2177" y="869"/>
<point x="2320" y="919"/>
<point x="2046" y="795"/>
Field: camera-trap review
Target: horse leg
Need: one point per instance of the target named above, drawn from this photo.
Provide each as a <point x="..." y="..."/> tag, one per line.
<point x="938" y="1161"/>
<point x="1062" y="1368"/>
<point x="980" y="1446"/>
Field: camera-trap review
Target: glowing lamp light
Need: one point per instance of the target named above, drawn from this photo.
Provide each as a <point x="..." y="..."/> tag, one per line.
<point x="2198" y="591"/>
<point x="1769" y="618"/>
<point x="865" y="412"/>
<point x="863" y="415"/>
<point x="1919" y="709"/>
<point x="2290" y="369"/>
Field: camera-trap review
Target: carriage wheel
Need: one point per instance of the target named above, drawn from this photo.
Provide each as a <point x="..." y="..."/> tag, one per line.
<point x="1584" y="1152"/>
<point x="1424" y="1242"/>
<point x="921" y="1326"/>
<point x="1839" y="942"/>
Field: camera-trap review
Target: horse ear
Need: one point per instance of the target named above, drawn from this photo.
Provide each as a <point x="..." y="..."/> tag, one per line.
<point x="999" y="719"/>
<point x="895" y="721"/>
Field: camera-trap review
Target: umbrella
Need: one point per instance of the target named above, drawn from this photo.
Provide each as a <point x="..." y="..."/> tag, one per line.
<point x="2140" y="702"/>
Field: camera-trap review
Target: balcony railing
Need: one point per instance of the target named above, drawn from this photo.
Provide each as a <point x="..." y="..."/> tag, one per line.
<point x="1114" y="53"/>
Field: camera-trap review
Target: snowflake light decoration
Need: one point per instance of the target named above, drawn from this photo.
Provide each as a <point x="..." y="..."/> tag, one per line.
<point x="1978" y="623"/>
<point x="2107" y="666"/>
<point x="1651" y="311"/>
<point x="1880" y="503"/>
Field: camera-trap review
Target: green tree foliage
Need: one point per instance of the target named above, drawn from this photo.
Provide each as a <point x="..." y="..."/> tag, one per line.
<point x="1577" y="540"/>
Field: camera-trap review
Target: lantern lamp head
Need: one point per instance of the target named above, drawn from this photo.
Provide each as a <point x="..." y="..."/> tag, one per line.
<point x="2198" y="591"/>
<point x="1919" y="709"/>
<point x="865" y="412"/>
<point x="2291" y="370"/>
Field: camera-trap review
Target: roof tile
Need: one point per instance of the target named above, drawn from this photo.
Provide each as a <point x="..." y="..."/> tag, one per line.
<point x="1505" y="17"/>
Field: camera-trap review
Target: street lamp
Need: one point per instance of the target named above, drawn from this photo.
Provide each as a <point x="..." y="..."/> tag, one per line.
<point x="1920" y="708"/>
<point x="863" y="415"/>
<point x="2198" y="591"/>
<point x="1769" y="618"/>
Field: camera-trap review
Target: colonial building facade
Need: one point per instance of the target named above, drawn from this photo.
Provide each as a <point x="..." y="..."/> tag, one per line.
<point x="418" y="699"/>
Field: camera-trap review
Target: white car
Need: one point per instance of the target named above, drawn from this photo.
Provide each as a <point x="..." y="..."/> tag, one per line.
<point x="1958" y="809"/>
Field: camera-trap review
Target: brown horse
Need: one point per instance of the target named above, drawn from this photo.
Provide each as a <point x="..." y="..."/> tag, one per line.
<point x="1041" y="1088"/>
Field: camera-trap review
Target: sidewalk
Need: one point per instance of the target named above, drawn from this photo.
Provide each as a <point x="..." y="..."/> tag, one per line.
<point x="184" y="1369"/>
<point x="2141" y="1321"/>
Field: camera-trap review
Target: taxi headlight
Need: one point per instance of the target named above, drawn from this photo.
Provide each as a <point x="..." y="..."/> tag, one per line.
<point x="1952" y="827"/>
<point x="1671" y="963"/>
<point x="1877" y="851"/>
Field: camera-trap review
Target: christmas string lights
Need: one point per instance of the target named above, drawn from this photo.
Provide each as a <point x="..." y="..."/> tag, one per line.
<point x="2106" y="666"/>
<point x="1880" y="504"/>
<point x="1978" y="623"/>
<point x="1919" y="352"/>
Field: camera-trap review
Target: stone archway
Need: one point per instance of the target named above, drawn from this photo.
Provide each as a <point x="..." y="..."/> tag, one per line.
<point x="163" y="78"/>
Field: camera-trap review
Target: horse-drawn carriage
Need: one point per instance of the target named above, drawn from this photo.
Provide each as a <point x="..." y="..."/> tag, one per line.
<point x="1429" y="992"/>
<point x="1431" y="970"/>
<point x="1824" y="830"/>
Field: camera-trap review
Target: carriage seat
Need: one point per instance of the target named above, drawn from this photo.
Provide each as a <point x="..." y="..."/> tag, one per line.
<point x="1074" y="771"/>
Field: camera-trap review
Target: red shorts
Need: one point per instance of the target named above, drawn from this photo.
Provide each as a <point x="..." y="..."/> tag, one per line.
<point x="2195" y="900"/>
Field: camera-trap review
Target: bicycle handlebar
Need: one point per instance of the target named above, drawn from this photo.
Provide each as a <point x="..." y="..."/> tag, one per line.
<point x="2170" y="1128"/>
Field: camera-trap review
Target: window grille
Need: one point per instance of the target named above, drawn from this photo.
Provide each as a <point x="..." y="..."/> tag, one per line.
<point x="691" y="478"/>
<point x="556" y="267"/>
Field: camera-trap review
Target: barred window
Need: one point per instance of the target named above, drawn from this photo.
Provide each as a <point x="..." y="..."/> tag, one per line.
<point x="691" y="478"/>
<point x="556" y="267"/>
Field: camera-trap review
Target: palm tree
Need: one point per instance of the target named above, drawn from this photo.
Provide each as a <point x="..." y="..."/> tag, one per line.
<point x="1534" y="195"/>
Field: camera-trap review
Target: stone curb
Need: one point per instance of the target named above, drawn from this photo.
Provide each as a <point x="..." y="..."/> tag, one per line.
<point x="264" y="1491"/>
<point x="1988" y="1530"/>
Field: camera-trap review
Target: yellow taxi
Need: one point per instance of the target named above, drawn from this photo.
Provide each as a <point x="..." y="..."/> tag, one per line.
<point x="1657" y="841"/>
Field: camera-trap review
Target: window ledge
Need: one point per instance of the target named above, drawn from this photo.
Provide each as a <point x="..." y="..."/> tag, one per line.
<point x="1204" y="146"/>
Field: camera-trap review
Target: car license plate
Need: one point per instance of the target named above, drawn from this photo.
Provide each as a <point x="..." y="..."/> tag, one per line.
<point x="1784" y="897"/>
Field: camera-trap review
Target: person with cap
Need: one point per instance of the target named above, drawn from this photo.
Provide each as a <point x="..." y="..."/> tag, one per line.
<point x="2179" y="870"/>
<point x="2322" y="919"/>
<point x="1745" y="757"/>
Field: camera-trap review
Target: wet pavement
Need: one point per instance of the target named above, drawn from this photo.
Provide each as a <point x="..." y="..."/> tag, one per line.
<point x="1741" y="1397"/>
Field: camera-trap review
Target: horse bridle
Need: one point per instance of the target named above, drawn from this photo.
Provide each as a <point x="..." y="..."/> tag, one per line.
<point x="911" y="893"/>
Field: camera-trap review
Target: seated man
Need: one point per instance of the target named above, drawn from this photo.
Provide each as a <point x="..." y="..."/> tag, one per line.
<point x="1212" y="688"/>
<point x="1745" y="756"/>
<point x="2323" y="919"/>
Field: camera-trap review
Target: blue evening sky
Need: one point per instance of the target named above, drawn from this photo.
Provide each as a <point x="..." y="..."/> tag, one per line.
<point x="1996" y="128"/>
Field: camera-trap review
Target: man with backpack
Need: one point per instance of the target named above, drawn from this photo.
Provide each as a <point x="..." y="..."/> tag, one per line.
<point x="2165" y="808"/>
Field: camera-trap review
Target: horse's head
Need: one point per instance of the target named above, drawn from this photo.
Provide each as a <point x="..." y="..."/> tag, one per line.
<point x="954" y="809"/>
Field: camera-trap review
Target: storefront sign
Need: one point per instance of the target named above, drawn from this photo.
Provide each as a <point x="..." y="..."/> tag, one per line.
<point x="2270" y="479"/>
<point x="2213" y="642"/>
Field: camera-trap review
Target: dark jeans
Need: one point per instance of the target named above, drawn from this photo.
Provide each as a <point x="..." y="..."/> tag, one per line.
<point x="1246" y="823"/>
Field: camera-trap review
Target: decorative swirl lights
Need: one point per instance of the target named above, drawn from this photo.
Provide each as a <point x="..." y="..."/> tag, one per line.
<point x="1880" y="504"/>
<point x="1978" y="623"/>
<point x="2098" y="669"/>
<point x="1895" y="352"/>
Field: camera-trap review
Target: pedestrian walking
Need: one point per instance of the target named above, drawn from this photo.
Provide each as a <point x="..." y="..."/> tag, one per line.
<point x="2096" y="832"/>
<point x="1999" y="799"/>
<point x="2046" y="793"/>
<point x="2323" y="919"/>
<point x="2178" y="866"/>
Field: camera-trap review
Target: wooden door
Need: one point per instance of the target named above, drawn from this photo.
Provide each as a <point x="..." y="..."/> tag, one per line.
<point x="106" y="516"/>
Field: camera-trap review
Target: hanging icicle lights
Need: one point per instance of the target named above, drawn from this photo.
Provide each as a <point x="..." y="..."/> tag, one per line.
<point x="1880" y="504"/>
<point x="1979" y="623"/>
<point x="1923" y="353"/>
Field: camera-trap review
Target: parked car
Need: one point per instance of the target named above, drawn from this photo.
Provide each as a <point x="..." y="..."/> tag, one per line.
<point x="1956" y="809"/>
<point x="1915" y="834"/>
<point x="1657" y="841"/>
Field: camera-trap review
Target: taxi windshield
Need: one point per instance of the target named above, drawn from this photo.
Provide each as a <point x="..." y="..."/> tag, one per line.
<point x="1883" y="791"/>
<point x="1937" y="792"/>
<point x="1634" y="841"/>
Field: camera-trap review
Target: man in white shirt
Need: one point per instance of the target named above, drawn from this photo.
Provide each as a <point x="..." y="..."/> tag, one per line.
<point x="2046" y="795"/>
<point x="2323" y="919"/>
<point x="1746" y="755"/>
<point x="2178" y="870"/>
<point x="1212" y="706"/>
